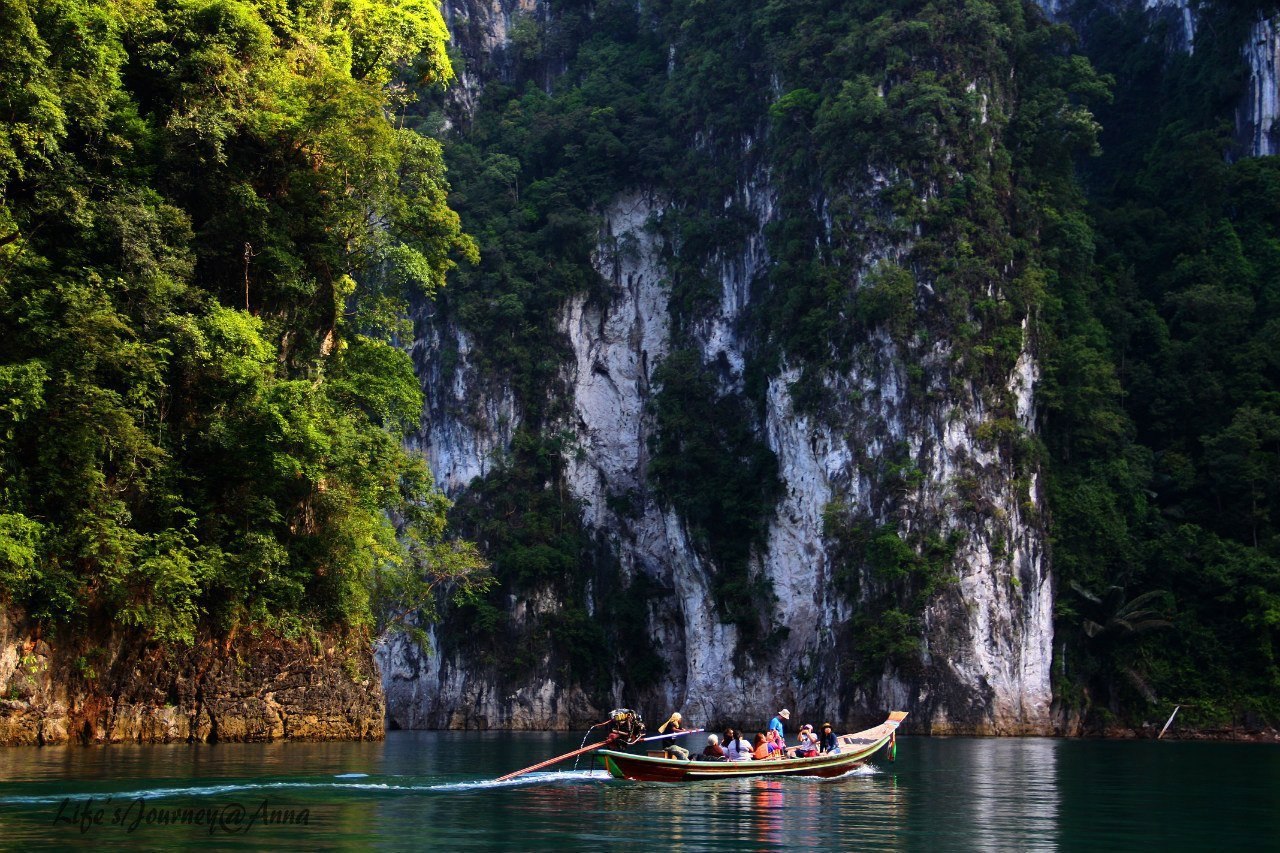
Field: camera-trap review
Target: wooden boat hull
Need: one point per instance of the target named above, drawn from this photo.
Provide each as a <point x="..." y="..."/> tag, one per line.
<point x="854" y="750"/>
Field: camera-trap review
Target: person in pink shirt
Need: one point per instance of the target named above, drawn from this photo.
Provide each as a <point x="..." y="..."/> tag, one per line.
<point x="777" y="749"/>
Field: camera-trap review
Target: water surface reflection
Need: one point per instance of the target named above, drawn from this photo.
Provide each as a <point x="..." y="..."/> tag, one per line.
<point x="435" y="791"/>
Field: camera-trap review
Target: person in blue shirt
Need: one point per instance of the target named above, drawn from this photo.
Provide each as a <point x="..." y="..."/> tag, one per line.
<point x="776" y="724"/>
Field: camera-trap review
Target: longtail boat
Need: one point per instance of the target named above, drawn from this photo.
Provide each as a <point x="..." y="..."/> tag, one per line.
<point x="854" y="750"/>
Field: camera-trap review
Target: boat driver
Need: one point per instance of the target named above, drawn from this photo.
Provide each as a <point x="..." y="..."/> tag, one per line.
<point x="674" y="723"/>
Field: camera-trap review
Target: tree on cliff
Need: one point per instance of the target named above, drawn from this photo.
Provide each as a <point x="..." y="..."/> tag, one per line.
<point x="210" y="225"/>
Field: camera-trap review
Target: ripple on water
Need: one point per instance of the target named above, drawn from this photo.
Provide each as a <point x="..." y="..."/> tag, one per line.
<point x="941" y="795"/>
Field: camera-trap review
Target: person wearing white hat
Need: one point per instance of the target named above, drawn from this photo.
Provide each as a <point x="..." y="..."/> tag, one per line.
<point x="776" y="724"/>
<point x="808" y="747"/>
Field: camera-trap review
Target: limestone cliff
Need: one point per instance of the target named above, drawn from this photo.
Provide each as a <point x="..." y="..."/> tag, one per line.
<point x="904" y="439"/>
<point x="252" y="688"/>
<point x="987" y="638"/>
<point x="1261" y="107"/>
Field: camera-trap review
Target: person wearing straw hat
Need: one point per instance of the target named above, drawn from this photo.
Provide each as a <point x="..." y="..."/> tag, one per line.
<point x="828" y="743"/>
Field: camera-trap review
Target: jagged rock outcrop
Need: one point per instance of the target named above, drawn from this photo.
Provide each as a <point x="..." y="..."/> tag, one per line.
<point x="466" y="421"/>
<point x="117" y="690"/>
<point x="1261" y="107"/>
<point x="987" y="639"/>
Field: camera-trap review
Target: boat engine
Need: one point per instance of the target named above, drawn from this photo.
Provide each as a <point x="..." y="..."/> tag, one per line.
<point x="626" y="725"/>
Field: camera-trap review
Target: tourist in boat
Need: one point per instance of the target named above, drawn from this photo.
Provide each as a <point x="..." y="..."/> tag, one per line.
<point x="674" y="723"/>
<point x="777" y="746"/>
<point x="828" y="742"/>
<point x="776" y="724"/>
<point x="714" y="751"/>
<point x="760" y="752"/>
<point x="808" y="746"/>
<point x="736" y="747"/>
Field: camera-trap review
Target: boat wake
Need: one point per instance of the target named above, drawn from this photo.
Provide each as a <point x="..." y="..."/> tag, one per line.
<point x="864" y="770"/>
<point x="362" y="783"/>
<point x="372" y="787"/>
<point x="566" y="776"/>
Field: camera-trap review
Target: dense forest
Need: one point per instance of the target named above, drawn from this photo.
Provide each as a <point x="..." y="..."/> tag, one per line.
<point x="210" y="222"/>
<point x="1163" y="424"/>
<point x="215" y="215"/>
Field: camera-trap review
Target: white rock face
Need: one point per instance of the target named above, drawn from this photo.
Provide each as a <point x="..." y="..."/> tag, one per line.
<point x="490" y="20"/>
<point x="465" y="424"/>
<point x="1184" y="10"/>
<point x="615" y="348"/>
<point x="987" y="640"/>
<point x="989" y="637"/>
<point x="1262" y="104"/>
<point x="482" y="29"/>
<point x="993" y="631"/>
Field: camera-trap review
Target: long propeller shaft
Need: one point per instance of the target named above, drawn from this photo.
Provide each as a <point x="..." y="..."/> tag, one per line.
<point x="555" y="760"/>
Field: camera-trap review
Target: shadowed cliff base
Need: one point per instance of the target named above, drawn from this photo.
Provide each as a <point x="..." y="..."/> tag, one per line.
<point x="123" y="689"/>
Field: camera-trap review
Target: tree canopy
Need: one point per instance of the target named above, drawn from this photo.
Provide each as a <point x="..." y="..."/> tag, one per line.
<point x="211" y="220"/>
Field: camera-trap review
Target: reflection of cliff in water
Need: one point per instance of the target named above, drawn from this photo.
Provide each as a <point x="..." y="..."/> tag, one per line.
<point x="1014" y="793"/>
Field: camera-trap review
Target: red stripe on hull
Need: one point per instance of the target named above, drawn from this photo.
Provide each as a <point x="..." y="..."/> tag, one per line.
<point x="668" y="770"/>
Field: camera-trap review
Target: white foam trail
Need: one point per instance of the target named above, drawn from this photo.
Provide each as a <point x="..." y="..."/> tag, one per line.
<point x="864" y="770"/>
<point x="352" y="776"/>
<point x="527" y="779"/>
<point x="214" y="790"/>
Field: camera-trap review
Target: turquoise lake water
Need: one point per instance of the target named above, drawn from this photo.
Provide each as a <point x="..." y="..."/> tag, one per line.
<point x="433" y="791"/>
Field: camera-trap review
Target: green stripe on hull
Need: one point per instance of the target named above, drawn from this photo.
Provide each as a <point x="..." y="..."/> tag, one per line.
<point x="855" y="749"/>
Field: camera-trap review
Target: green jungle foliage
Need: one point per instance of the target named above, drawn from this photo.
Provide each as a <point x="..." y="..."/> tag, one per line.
<point x="210" y="223"/>
<point x="711" y="468"/>
<point x="524" y="519"/>
<point x="1163" y="388"/>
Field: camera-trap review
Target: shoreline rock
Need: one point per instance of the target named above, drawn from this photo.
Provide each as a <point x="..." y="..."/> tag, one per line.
<point x="122" y="689"/>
